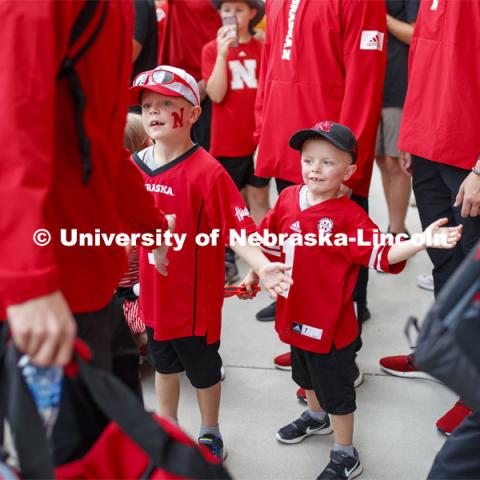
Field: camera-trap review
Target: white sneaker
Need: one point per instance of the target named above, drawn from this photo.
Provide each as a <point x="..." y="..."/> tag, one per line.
<point x="425" y="282"/>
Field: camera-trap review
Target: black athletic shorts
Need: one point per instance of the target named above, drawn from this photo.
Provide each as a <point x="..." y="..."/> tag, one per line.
<point x="201" y="362"/>
<point x="331" y="375"/>
<point x="241" y="170"/>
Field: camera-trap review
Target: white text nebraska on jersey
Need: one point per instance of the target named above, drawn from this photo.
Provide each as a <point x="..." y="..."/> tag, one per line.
<point x="157" y="188"/>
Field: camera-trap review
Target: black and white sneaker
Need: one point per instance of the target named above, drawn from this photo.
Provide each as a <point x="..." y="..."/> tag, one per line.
<point x="341" y="467"/>
<point x="303" y="427"/>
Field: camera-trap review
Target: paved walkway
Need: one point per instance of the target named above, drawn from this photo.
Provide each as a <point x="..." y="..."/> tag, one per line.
<point x="395" y="422"/>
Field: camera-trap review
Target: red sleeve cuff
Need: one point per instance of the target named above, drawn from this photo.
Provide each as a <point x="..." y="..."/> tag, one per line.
<point x="388" y="268"/>
<point x="27" y="287"/>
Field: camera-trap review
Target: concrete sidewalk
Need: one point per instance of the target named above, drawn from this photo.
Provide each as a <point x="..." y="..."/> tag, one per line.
<point x="395" y="421"/>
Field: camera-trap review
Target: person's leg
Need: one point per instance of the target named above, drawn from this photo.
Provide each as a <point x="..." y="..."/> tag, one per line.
<point x="436" y="186"/>
<point x="399" y="189"/>
<point x="459" y="457"/>
<point x="343" y="429"/>
<point x="167" y="364"/>
<point x="257" y="198"/>
<point x="360" y="292"/>
<point x="167" y="389"/>
<point x="209" y="404"/>
<point x="399" y="185"/>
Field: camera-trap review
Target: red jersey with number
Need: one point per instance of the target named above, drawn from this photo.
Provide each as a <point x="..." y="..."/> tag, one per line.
<point x="233" y="119"/>
<point x="190" y="25"/>
<point x="317" y="310"/>
<point x="188" y="302"/>
<point x="322" y="60"/>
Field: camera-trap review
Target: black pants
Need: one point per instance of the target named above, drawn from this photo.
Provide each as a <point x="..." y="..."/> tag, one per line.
<point x="360" y="292"/>
<point x="459" y="457"/>
<point x="114" y="350"/>
<point x="201" y="129"/>
<point x="436" y="186"/>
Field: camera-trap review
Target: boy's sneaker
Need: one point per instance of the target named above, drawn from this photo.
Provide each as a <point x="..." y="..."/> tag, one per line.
<point x="301" y="395"/>
<point x="341" y="467"/>
<point x="283" y="361"/>
<point x="267" y="314"/>
<point x="214" y="445"/>
<point x="425" y="282"/>
<point x="402" y="366"/>
<point x="303" y="427"/>
<point x="453" y="418"/>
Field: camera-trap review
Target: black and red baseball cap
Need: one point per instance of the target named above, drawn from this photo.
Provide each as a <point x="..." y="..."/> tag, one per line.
<point x="339" y="135"/>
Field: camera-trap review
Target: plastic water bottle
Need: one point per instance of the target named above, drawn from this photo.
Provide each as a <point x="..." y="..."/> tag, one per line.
<point x="45" y="384"/>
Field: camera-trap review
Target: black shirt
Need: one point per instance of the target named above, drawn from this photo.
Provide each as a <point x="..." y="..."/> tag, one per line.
<point x="397" y="54"/>
<point x="146" y="34"/>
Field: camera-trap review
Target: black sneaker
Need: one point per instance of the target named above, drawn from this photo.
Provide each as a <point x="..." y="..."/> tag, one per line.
<point x="267" y="314"/>
<point x="341" y="467"/>
<point x="303" y="427"/>
<point x="214" y="445"/>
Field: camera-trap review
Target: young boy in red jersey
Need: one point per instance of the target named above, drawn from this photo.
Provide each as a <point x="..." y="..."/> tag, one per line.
<point x="316" y="314"/>
<point x="230" y="69"/>
<point x="182" y="312"/>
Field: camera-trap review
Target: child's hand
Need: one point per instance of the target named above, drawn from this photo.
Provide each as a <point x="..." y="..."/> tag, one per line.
<point x="171" y="220"/>
<point x="225" y="39"/>
<point x="249" y="281"/>
<point x="437" y="236"/>
<point x="275" y="278"/>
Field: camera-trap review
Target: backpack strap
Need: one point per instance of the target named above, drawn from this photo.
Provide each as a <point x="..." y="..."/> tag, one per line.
<point x="67" y="69"/>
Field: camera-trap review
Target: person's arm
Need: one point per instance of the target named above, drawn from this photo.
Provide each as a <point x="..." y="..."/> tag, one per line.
<point x="40" y="320"/>
<point x="469" y="193"/>
<point x="364" y="58"/>
<point x="434" y="236"/>
<point x="217" y="82"/>
<point x="403" y="31"/>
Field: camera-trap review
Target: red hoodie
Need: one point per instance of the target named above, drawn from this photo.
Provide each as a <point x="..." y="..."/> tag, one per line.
<point x="322" y="60"/>
<point x="41" y="173"/>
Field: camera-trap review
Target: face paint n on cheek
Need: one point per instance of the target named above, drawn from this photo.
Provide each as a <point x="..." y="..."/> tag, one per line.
<point x="178" y="119"/>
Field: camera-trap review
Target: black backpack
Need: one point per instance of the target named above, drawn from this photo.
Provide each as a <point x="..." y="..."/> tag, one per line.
<point x="449" y="339"/>
<point x="67" y="70"/>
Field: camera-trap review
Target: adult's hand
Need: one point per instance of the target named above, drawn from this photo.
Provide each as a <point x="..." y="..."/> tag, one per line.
<point x="405" y="162"/>
<point x="469" y="196"/>
<point x="44" y="329"/>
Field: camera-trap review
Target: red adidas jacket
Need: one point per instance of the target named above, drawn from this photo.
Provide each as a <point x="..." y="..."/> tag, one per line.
<point x="41" y="174"/>
<point x="322" y="60"/>
<point x="441" y="116"/>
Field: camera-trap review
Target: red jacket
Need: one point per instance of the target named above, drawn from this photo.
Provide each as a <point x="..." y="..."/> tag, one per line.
<point x="41" y="173"/>
<point x="322" y="60"/>
<point x="441" y="116"/>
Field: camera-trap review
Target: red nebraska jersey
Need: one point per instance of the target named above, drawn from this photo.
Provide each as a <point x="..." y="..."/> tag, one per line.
<point x="233" y="120"/>
<point x="188" y="302"/>
<point x="42" y="184"/>
<point x="441" y="116"/>
<point x="190" y="25"/>
<point x="322" y="60"/>
<point x="318" y="308"/>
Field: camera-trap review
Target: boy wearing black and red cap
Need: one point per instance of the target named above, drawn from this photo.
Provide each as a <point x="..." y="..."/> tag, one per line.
<point x="316" y="314"/>
<point x="183" y="314"/>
